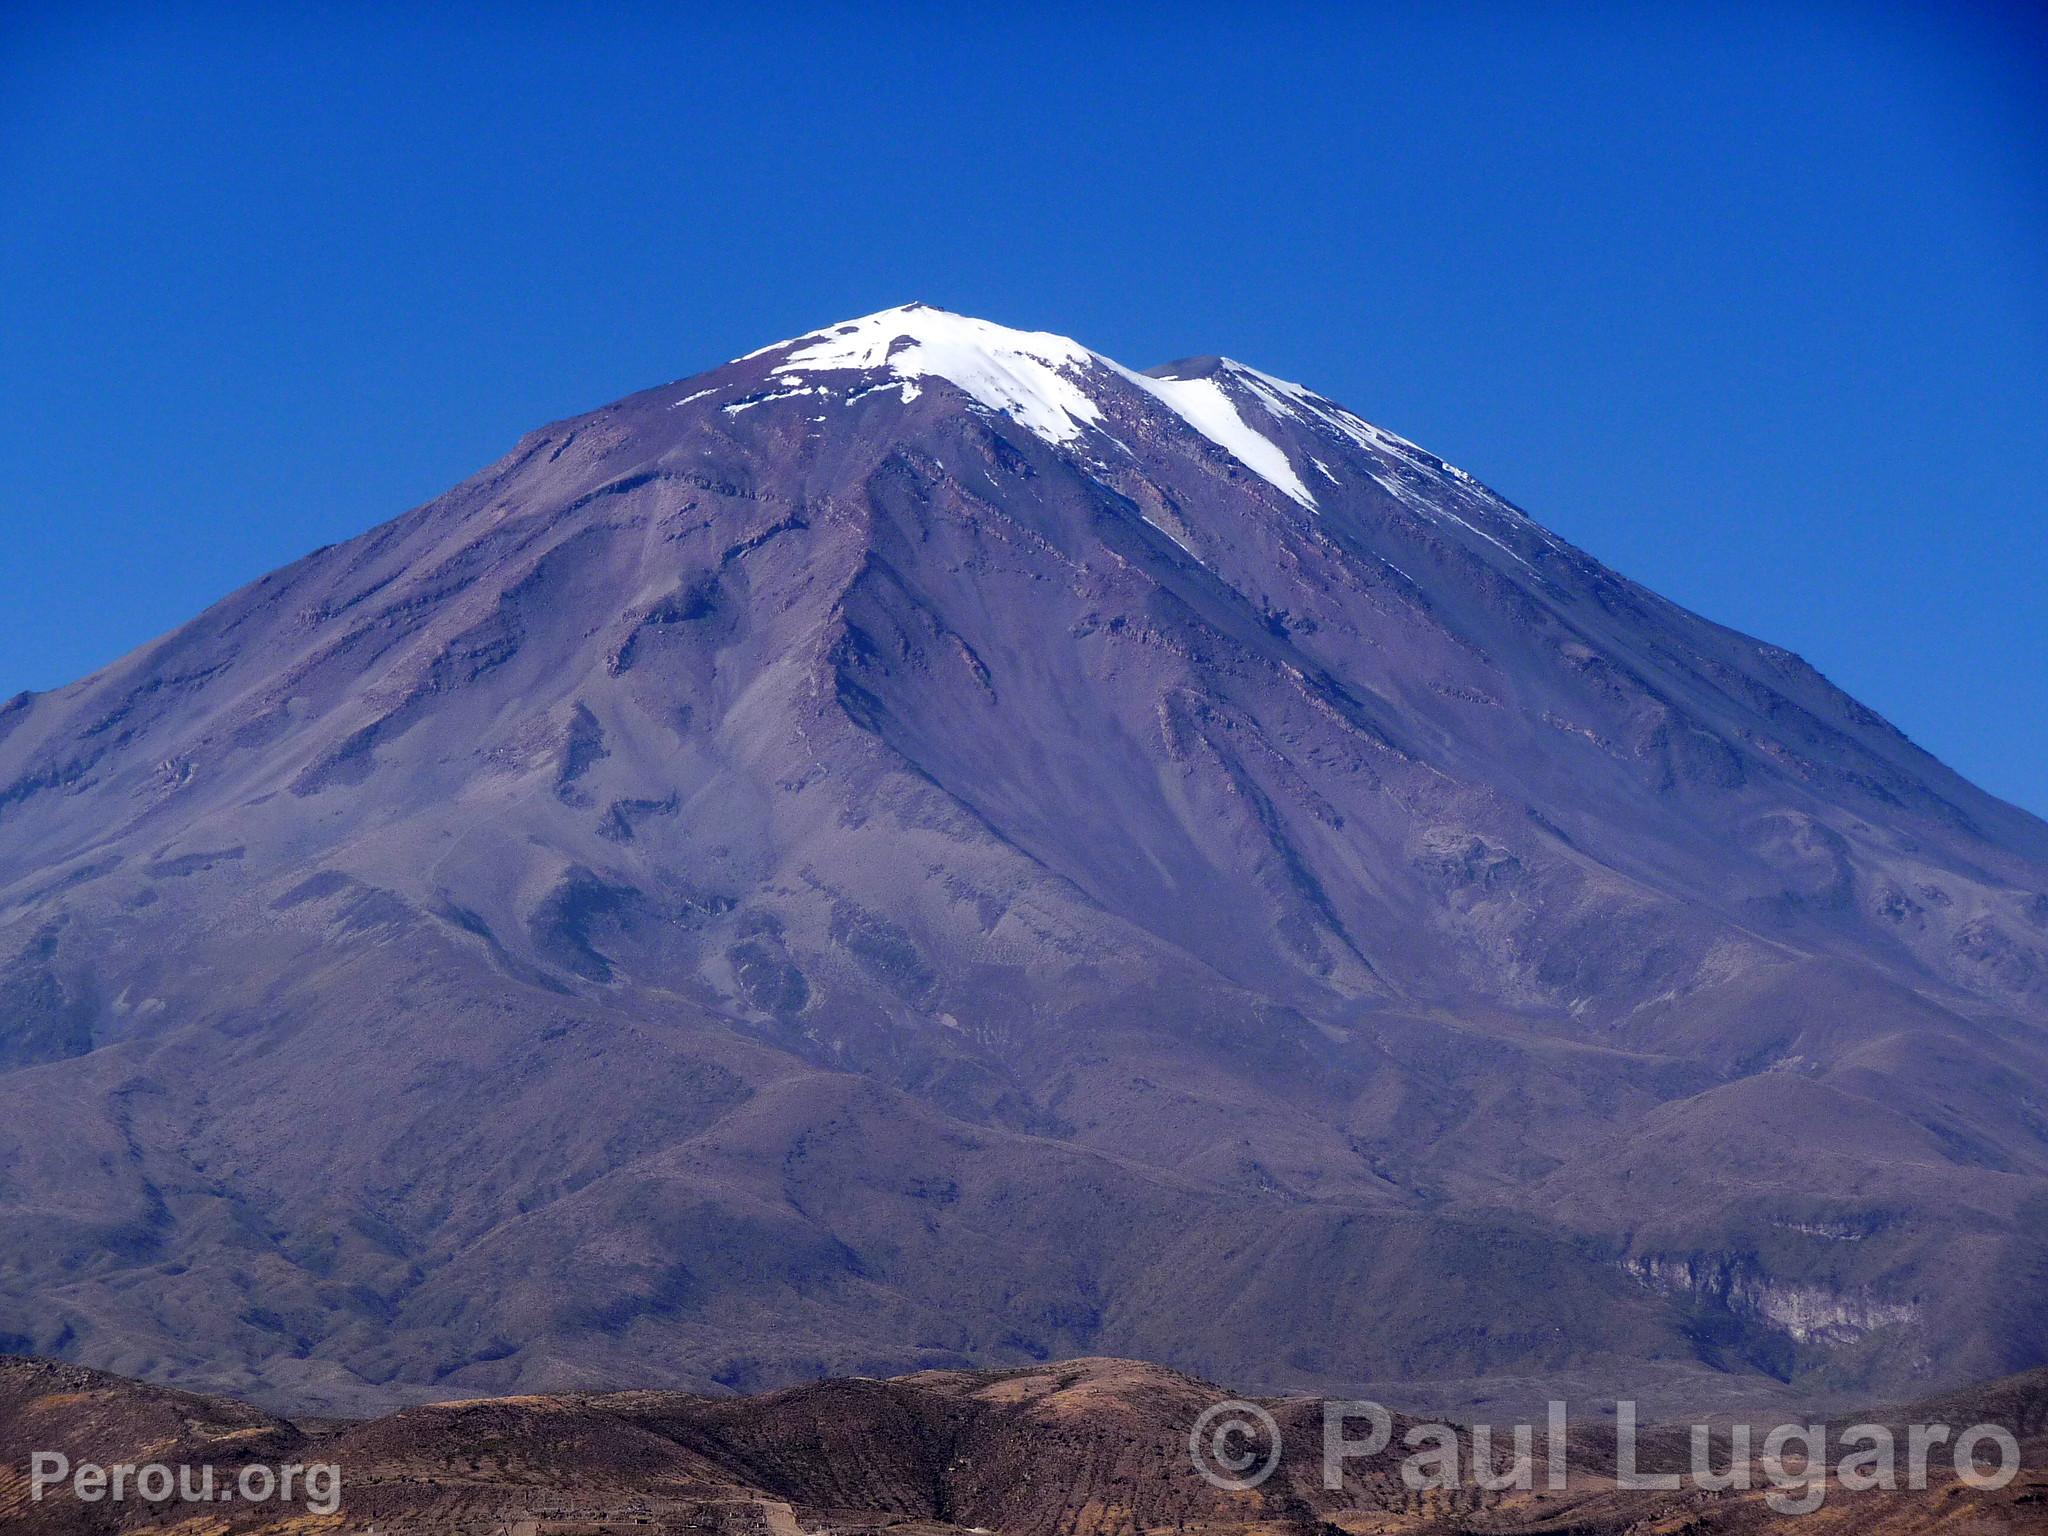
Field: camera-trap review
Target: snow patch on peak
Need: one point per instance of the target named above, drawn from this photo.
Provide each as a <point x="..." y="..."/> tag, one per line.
<point x="1203" y="405"/>
<point x="1039" y="379"/>
<point x="1284" y="398"/>
<point x="1028" y="375"/>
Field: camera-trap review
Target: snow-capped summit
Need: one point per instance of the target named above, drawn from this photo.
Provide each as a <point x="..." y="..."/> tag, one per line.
<point x="1065" y="392"/>
<point x="1033" y="376"/>
<point x="1053" y="384"/>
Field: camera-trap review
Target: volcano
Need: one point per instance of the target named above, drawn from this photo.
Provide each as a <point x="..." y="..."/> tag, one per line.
<point x="925" y="848"/>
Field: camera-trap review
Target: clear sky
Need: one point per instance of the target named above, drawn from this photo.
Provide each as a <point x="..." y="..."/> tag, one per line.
<point x="1751" y="301"/>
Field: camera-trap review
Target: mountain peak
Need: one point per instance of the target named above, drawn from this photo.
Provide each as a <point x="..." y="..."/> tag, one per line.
<point x="1029" y="375"/>
<point x="1204" y="367"/>
<point x="1046" y="382"/>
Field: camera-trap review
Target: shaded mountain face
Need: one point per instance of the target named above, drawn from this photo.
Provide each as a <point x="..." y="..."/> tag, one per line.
<point x="925" y="847"/>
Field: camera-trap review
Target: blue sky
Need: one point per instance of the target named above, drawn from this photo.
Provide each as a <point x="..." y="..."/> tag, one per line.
<point x="1750" y="301"/>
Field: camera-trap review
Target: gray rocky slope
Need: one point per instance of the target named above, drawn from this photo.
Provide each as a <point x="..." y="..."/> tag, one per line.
<point x="922" y="846"/>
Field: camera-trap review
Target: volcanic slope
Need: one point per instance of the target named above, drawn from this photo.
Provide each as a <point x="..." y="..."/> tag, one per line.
<point x="924" y="847"/>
